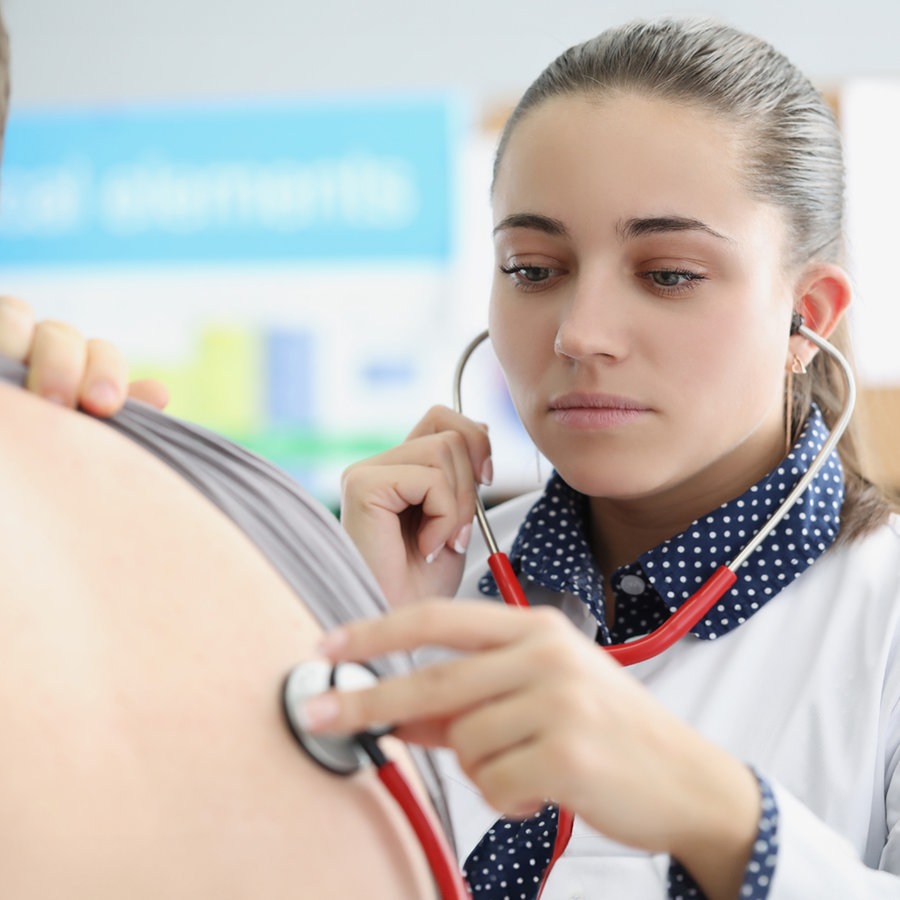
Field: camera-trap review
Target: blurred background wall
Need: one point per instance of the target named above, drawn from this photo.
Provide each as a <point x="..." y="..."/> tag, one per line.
<point x="280" y="207"/>
<point x="94" y="51"/>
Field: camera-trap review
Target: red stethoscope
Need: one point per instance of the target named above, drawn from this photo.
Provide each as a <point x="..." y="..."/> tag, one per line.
<point x="345" y="755"/>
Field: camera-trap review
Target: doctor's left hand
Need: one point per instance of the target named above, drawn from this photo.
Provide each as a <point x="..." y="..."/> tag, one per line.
<point x="67" y="368"/>
<point x="534" y="710"/>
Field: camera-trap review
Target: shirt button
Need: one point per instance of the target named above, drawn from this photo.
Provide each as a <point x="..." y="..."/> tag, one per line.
<point x="632" y="584"/>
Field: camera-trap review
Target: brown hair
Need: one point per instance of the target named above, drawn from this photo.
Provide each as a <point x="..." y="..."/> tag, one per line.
<point x="793" y="159"/>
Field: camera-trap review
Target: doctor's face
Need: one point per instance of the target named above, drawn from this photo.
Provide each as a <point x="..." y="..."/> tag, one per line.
<point x="641" y="303"/>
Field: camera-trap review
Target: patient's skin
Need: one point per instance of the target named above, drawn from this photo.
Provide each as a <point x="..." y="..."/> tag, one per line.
<point x="143" y="642"/>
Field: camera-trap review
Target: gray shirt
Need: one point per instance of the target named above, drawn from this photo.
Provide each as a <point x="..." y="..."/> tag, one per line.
<point x="296" y="533"/>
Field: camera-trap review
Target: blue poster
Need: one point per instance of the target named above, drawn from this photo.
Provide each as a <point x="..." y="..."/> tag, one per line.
<point x="338" y="179"/>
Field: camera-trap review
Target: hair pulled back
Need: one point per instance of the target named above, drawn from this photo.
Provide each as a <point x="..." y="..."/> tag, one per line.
<point x="791" y="152"/>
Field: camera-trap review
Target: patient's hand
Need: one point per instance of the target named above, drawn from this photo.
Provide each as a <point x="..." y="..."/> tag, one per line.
<point x="69" y="369"/>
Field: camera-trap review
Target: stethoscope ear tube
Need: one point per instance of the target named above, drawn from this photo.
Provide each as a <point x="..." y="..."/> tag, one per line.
<point x="679" y="622"/>
<point x="693" y="610"/>
<point x="509" y="585"/>
<point x="344" y="755"/>
<point x="715" y="587"/>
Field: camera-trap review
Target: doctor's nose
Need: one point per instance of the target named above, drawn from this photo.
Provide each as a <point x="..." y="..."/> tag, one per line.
<point x="591" y="328"/>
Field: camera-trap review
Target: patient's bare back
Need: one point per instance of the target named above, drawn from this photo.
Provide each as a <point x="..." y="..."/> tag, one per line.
<point x="143" y="642"/>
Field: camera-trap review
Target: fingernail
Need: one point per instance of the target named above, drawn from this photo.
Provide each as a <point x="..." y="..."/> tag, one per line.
<point x="317" y="712"/>
<point x="462" y="539"/>
<point x="58" y="399"/>
<point x="102" y="394"/>
<point x="434" y="554"/>
<point x="487" y="472"/>
<point x="332" y="642"/>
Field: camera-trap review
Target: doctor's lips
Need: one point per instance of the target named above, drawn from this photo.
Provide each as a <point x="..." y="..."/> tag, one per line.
<point x="581" y="410"/>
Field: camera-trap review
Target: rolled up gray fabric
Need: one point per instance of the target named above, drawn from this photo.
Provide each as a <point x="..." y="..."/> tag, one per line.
<point x="296" y="533"/>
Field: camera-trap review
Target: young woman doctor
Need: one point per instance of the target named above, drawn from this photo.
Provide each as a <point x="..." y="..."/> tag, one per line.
<point x="666" y="197"/>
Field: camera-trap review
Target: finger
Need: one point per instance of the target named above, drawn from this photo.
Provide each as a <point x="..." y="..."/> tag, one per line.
<point x="475" y="435"/>
<point x="379" y="483"/>
<point x="57" y="362"/>
<point x="516" y="783"/>
<point x="451" y="453"/>
<point x="16" y="328"/>
<point x="447" y="452"/>
<point x="466" y="625"/>
<point x="104" y="386"/>
<point x="434" y="694"/>
<point x="494" y="728"/>
<point x="431" y="734"/>
<point x="512" y="649"/>
<point x="150" y="391"/>
<point x="371" y="492"/>
<point x="446" y="690"/>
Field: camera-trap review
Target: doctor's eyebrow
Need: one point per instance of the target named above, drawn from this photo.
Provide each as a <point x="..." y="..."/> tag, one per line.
<point x="534" y="221"/>
<point x="637" y="227"/>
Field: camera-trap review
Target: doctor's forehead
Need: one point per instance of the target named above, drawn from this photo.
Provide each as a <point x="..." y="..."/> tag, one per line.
<point x="633" y="167"/>
<point x="625" y="140"/>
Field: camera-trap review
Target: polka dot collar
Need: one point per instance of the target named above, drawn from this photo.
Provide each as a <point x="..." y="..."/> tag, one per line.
<point x="552" y="550"/>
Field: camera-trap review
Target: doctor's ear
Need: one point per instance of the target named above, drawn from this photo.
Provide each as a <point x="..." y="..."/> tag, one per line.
<point x="823" y="294"/>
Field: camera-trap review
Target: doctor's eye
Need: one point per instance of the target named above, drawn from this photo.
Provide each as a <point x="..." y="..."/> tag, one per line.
<point x="672" y="281"/>
<point x="530" y="278"/>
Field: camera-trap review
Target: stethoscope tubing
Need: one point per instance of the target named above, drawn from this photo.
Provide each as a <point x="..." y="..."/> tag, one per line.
<point x="441" y="861"/>
<point x="718" y="584"/>
<point x="307" y="679"/>
<point x="706" y="596"/>
<point x="345" y="755"/>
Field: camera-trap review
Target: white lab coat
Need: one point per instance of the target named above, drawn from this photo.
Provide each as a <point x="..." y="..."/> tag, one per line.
<point x="807" y="691"/>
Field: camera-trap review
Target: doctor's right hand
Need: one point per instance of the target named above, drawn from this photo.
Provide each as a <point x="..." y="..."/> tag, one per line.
<point x="67" y="368"/>
<point x="409" y="510"/>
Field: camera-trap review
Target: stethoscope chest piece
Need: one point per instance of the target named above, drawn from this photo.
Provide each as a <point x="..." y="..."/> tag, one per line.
<point x="341" y="754"/>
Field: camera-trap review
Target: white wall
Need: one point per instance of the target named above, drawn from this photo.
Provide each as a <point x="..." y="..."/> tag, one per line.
<point x="76" y="51"/>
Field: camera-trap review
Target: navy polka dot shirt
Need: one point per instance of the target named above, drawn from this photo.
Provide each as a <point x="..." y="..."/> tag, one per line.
<point x="552" y="550"/>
